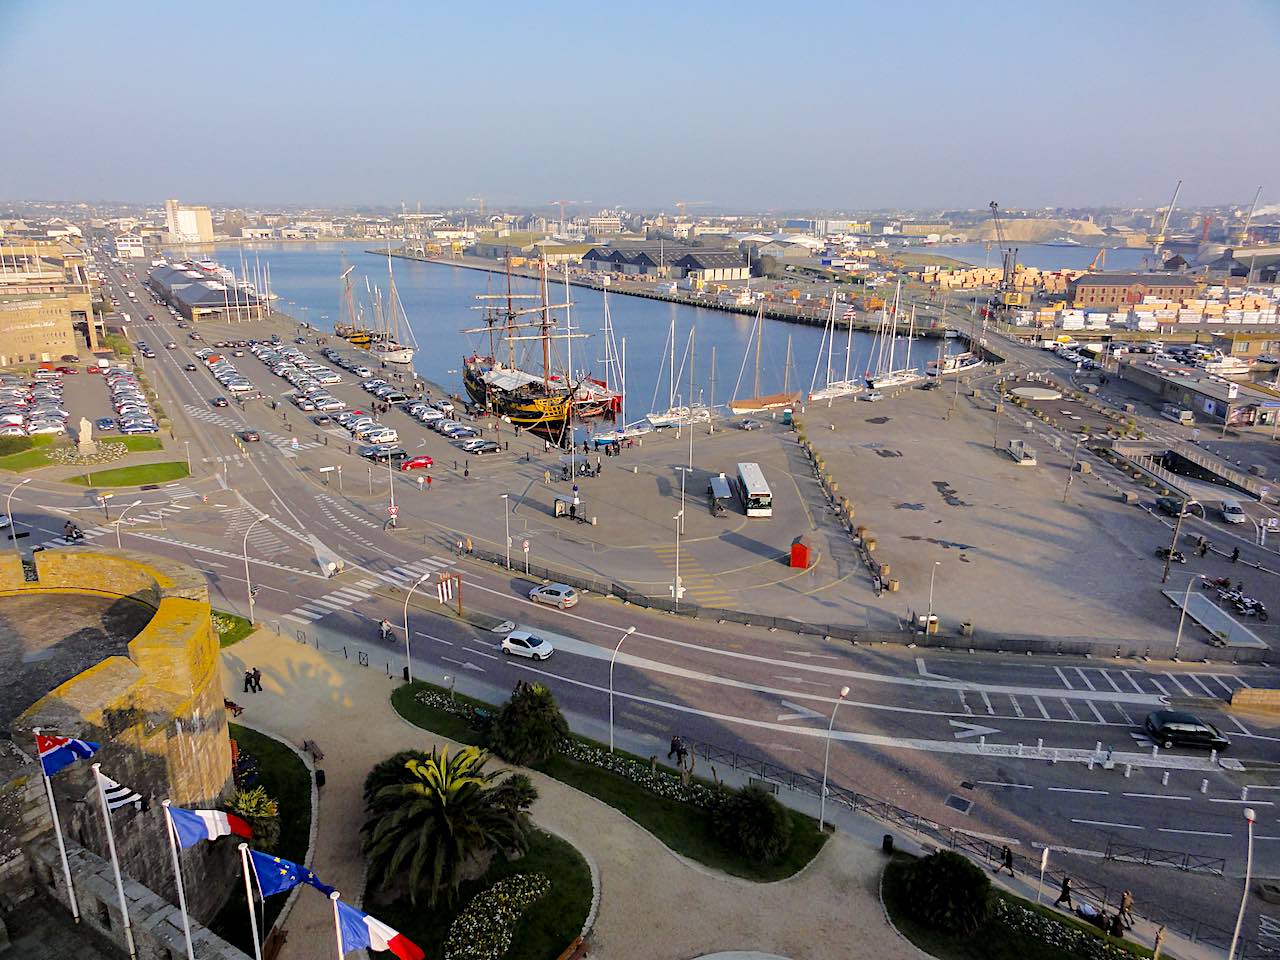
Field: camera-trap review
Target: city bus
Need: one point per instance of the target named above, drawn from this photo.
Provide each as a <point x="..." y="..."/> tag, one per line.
<point x="757" y="498"/>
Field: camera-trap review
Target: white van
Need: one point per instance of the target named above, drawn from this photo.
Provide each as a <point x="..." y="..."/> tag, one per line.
<point x="1171" y="411"/>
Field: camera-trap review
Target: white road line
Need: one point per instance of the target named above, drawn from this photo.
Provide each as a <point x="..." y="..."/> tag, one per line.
<point x="1193" y="833"/>
<point x="1156" y="796"/>
<point x="1040" y="704"/>
<point x="1087" y="682"/>
<point x="447" y="643"/>
<point x="1017" y="707"/>
<point x="1134" y="682"/>
<point x="1156" y="683"/>
<point x="1266" y="838"/>
<point x="1124" y="713"/>
<point x="1200" y="683"/>
<point x="333" y="605"/>
<point x="1222" y="683"/>
<point x="1242" y="681"/>
<point x="290" y="616"/>
<point x="1001" y="783"/>
<point x="1251" y="803"/>
<point x="987" y="701"/>
<point x="1108" y="823"/>
<point x="1070" y="709"/>
<point x="1179" y="685"/>
<point x="1107" y="677"/>
<point x="1095" y="711"/>
<point x="353" y="595"/>
<point x="1100" y="793"/>
<point x="1063" y="677"/>
<point x="1240" y="726"/>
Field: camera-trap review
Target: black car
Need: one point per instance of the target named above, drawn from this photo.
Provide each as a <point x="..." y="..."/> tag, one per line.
<point x="1174" y="505"/>
<point x="1170" y="728"/>
<point x="383" y="454"/>
<point x="219" y="401"/>
<point x="189" y="366"/>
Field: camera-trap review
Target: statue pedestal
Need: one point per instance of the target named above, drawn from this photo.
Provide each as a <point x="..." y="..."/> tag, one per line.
<point x="87" y="448"/>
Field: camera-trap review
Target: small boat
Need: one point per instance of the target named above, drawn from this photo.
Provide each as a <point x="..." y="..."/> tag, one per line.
<point x="885" y="376"/>
<point x="956" y="363"/>
<point x="1063" y="242"/>
<point x="758" y="402"/>
<point x="833" y="388"/>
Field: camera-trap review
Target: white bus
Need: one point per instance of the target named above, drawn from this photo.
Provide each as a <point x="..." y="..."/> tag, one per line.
<point x="757" y="498"/>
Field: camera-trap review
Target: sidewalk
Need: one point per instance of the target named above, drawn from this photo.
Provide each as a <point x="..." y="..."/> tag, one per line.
<point x="647" y="894"/>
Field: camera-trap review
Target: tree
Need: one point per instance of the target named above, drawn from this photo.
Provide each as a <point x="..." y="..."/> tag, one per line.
<point x="440" y="817"/>
<point x="948" y="892"/>
<point x="262" y="813"/>
<point x="753" y="823"/>
<point x="529" y="727"/>
<point x="389" y="771"/>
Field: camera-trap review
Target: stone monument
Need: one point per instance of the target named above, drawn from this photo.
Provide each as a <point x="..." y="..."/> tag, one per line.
<point x="85" y="445"/>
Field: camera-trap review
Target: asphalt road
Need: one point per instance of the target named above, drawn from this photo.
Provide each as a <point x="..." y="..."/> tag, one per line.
<point x="937" y="734"/>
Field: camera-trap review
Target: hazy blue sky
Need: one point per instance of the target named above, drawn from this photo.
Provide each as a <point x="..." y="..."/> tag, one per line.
<point x="746" y="104"/>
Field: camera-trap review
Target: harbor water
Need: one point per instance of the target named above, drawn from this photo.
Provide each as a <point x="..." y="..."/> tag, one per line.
<point x="1042" y="256"/>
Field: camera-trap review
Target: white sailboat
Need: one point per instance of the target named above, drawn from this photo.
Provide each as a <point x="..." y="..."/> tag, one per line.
<point x="385" y="345"/>
<point x="832" y="388"/>
<point x="676" y="413"/>
<point x="885" y="376"/>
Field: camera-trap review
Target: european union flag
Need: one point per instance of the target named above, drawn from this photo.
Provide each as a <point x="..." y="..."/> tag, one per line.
<point x="276" y="875"/>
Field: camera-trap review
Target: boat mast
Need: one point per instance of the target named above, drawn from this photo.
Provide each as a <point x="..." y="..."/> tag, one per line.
<point x="827" y="331"/>
<point x="511" y="319"/>
<point x="759" y="335"/>
<point x="671" y="377"/>
<point x="570" y="381"/>
<point x="848" y="350"/>
<point x="546" y="326"/>
<point x="911" y="332"/>
<point x="711" y="401"/>
<point x="623" y="401"/>
<point x="786" y="368"/>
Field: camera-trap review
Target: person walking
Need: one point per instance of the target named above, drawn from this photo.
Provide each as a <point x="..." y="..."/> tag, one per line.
<point x="1235" y="554"/>
<point x="428" y="481"/>
<point x="468" y="545"/>
<point x="1125" y="912"/>
<point x="546" y="477"/>
<point x="1065" y="895"/>
<point x="257" y="680"/>
<point x="248" y="681"/>
<point x="1006" y="860"/>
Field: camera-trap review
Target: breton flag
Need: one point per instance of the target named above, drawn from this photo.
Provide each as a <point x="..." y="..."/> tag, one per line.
<point x="57" y="753"/>
<point x="276" y="875"/>
<point x="118" y="795"/>
<point x="192" y="826"/>
<point x="359" y="930"/>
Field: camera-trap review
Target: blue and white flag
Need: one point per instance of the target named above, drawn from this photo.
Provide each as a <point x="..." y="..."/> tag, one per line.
<point x="58" y="753"/>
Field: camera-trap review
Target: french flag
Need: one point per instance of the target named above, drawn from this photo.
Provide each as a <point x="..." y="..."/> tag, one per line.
<point x="359" y="930"/>
<point x="58" y="753"/>
<point x="192" y="826"/>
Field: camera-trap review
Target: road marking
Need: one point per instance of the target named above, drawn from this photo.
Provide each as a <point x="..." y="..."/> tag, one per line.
<point x="1201" y="685"/>
<point x="1108" y="823"/>
<point x="1222" y="683"/>
<point x="1070" y="709"/>
<point x="1239" y="726"/>
<point x="1178" y="682"/>
<point x="1095" y="711"/>
<point x="1001" y="783"/>
<point x="1124" y="714"/>
<point x="1087" y="682"/>
<point x="1017" y="707"/>
<point x="1106" y="675"/>
<point x="1063" y="677"/>
<point x="987" y="700"/>
<point x="1100" y="793"/>
<point x="1156" y="683"/>
<point x="290" y="616"/>
<point x="1251" y="803"/>
<point x="1193" y="833"/>
<point x="447" y="643"/>
<point x="799" y="712"/>
<point x="1155" y="796"/>
<point x="965" y="729"/>
<point x="1242" y="681"/>
<point x="1040" y="704"/>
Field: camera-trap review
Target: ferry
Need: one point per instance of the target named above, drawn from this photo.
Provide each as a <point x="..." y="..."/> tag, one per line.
<point x="956" y="363"/>
<point x="1063" y="242"/>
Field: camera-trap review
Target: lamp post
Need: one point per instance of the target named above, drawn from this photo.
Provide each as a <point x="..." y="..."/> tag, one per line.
<point x="629" y="632"/>
<point x="248" y="584"/>
<point x="187" y="446"/>
<point x="1186" y="598"/>
<point x="675" y="585"/>
<point x="684" y="472"/>
<point x="408" y="662"/>
<point x="928" y="623"/>
<point x="506" y="517"/>
<point x="8" y="512"/>
<point x="1250" y="816"/>
<point x="826" y="761"/>
<point x="120" y="520"/>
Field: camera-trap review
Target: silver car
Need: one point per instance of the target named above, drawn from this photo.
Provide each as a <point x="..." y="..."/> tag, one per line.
<point x="556" y="594"/>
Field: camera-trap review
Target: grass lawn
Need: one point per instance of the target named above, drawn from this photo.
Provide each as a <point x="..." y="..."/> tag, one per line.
<point x="134" y="476"/>
<point x="33" y="456"/>
<point x="136" y="442"/>
<point x="682" y="827"/>
<point x="994" y="940"/>
<point x="287" y="779"/>
<point x="230" y="628"/>
<point x="546" y="928"/>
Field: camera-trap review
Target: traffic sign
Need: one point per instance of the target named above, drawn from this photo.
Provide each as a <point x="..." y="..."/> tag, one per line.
<point x="393" y="510"/>
<point x="524" y="545"/>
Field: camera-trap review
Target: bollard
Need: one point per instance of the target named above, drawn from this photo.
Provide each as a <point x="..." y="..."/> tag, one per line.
<point x="1091" y="763"/>
<point x="1155" y="751"/>
<point x="1204" y="786"/>
<point x="1244" y="794"/>
<point x="1097" y="747"/>
<point x="1164" y="779"/>
<point x="982" y="742"/>
<point x="1128" y="770"/>
<point x="1019" y="749"/>
<point x="1040" y="743"/>
<point x="1213" y="756"/>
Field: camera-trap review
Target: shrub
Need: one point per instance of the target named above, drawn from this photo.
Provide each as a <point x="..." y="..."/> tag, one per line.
<point x="529" y="727"/>
<point x="263" y="814"/>
<point x="10" y="445"/>
<point x="389" y="771"/>
<point x="483" y="931"/>
<point x="948" y="892"/>
<point x="752" y="822"/>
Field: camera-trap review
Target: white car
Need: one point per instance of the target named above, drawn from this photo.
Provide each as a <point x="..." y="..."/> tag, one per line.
<point x="522" y="643"/>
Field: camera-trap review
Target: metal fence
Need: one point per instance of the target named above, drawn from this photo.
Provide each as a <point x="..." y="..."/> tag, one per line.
<point x="989" y="851"/>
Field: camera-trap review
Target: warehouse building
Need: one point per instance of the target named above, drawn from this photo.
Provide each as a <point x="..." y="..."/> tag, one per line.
<point x="198" y="296"/>
<point x="46" y="307"/>
<point x="1120" y="289"/>
<point x="711" y="265"/>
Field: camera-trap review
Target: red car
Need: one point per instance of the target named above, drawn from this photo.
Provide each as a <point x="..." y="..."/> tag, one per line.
<point x="69" y="370"/>
<point x="92" y="368"/>
<point x="416" y="463"/>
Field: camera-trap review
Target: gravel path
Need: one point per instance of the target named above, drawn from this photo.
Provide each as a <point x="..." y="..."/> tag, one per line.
<point x="654" y="904"/>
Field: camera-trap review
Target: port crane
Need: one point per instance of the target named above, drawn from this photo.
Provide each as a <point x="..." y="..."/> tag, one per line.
<point x="1006" y="296"/>
<point x="1159" y="239"/>
<point x="562" y="204"/>
<point x="1243" y="236"/>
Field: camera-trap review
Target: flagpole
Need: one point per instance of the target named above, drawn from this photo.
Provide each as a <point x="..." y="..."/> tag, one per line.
<point x="115" y="861"/>
<point x="57" y="829"/>
<point x="248" y="893"/>
<point x="177" y="872"/>
<point x="337" y="922"/>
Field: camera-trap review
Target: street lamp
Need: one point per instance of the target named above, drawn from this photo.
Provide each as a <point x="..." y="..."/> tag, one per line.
<point x="629" y="632"/>
<point x="8" y="512"/>
<point x="928" y="623"/>
<point x="506" y="516"/>
<point x="1250" y="816"/>
<point x="120" y="520"/>
<point x="675" y="586"/>
<point x="1186" y="597"/>
<point x="684" y="472"/>
<point x="826" y="760"/>
<point x="187" y="446"/>
<point x="248" y="585"/>
<point x="408" y="662"/>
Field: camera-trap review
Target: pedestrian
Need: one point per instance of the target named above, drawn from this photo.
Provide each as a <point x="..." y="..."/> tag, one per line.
<point x="1065" y="895"/>
<point x="248" y="681"/>
<point x="546" y="477"/>
<point x="466" y="473"/>
<point x="1006" y="860"/>
<point x="1203" y="548"/>
<point x="546" y="446"/>
<point x="457" y="548"/>
<point x="469" y="545"/>
<point x="1235" y="554"/>
<point x="597" y="466"/>
<point x="1126" y="908"/>
<point x="1116" y="926"/>
<point x="257" y="680"/>
<point x="585" y="448"/>
<point x="1239" y="586"/>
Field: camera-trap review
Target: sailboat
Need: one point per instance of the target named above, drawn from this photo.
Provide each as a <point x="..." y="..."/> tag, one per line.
<point x="884" y="376"/>
<point x="350" y="325"/>
<point x="758" y="403"/>
<point x="831" y="389"/>
<point x="386" y="345"/>
<point x="676" y="413"/>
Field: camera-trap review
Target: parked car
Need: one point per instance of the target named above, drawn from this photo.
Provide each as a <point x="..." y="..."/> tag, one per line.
<point x="555" y="594"/>
<point x="104" y="423"/>
<point x="522" y="643"/>
<point x="750" y="425"/>
<point x="1171" y="728"/>
<point x="1174" y="505"/>
<point x="873" y="396"/>
<point x="417" y="463"/>
<point x="480" y="447"/>
<point x="1232" y="512"/>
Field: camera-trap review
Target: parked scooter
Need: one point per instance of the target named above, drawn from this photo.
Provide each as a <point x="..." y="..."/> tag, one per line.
<point x="1176" y="556"/>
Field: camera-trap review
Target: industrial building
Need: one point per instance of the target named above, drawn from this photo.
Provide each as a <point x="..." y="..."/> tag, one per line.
<point x="129" y="247"/>
<point x="187" y="224"/>
<point x="199" y="295"/>
<point x="1209" y="397"/>
<point x="1118" y="289"/>
<point x="709" y="265"/>
<point x="46" y="306"/>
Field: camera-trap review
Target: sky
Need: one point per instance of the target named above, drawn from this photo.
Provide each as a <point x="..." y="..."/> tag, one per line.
<point x="761" y="106"/>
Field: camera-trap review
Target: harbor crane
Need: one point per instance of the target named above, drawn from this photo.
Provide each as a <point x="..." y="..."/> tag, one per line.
<point x="1006" y="296"/>
<point x="562" y="204"/>
<point x="1158" y="240"/>
<point x="481" y="202"/>
<point x="1243" y="236"/>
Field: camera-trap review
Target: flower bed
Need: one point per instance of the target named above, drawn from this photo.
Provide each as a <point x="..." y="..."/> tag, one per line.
<point x="485" y="929"/>
<point x="108" y="451"/>
<point x="1053" y="932"/>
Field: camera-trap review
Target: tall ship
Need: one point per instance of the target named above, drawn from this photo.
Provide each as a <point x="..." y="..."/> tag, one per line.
<point x="350" y="325"/>
<point x="386" y="344"/>
<point x="884" y="375"/>
<point x="834" y="386"/>
<point x="956" y="363"/>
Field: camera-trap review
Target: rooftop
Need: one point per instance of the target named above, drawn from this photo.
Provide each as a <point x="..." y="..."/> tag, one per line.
<point x="1131" y="279"/>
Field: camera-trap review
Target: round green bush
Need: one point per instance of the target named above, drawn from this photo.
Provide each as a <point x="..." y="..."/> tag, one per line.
<point x="530" y="727"/>
<point x="948" y="892"/>
<point x="753" y="823"/>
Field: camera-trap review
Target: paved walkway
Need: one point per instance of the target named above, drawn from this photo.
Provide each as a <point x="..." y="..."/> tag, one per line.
<point x="653" y="904"/>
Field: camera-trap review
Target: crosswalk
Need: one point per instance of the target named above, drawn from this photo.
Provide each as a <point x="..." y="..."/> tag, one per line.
<point x="341" y="599"/>
<point x="700" y="585"/>
<point x="207" y="415"/>
<point x="240" y="519"/>
<point x="132" y="519"/>
<point x="1175" y="685"/>
<point x="281" y="443"/>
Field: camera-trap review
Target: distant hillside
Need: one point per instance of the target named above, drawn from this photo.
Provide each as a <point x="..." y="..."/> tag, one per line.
<point x="1038" y="231"/>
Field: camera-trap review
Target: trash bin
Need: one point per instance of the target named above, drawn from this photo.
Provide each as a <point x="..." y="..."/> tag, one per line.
<point x="886" y="845"/>
<point x="404" y="672"/>
<point x="319" y="777"/>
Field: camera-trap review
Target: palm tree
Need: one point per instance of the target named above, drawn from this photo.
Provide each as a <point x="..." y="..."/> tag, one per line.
<point x="529" y="728"/>
<point x="442" y="815"/>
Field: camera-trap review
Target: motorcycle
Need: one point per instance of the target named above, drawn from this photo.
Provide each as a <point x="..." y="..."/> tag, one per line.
<point x="1220" y="583"/>
<point x="1174" y="556"/>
